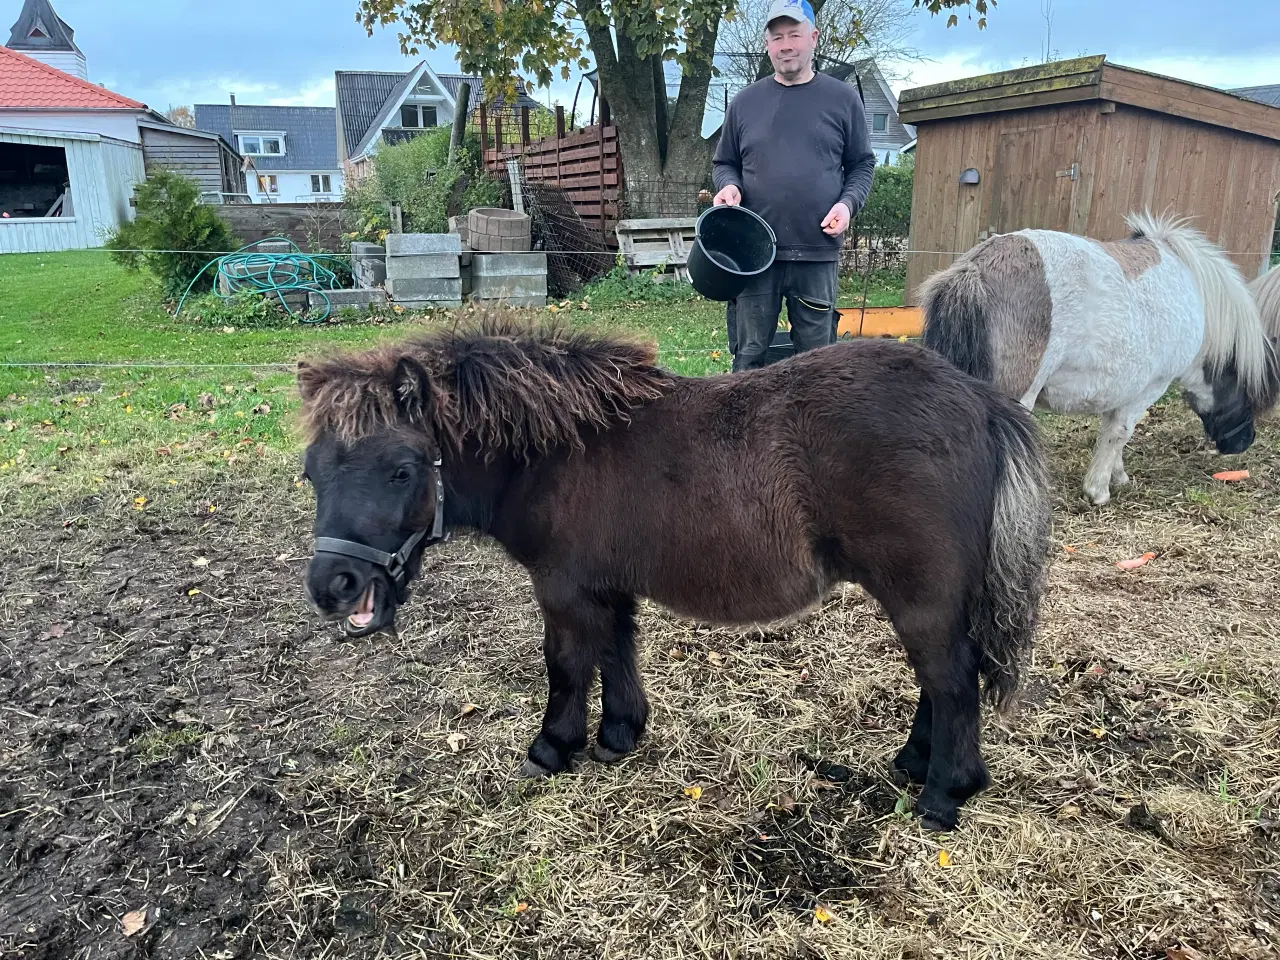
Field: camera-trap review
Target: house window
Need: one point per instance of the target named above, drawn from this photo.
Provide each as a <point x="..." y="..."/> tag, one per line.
<point x="418" y="115"/>
<point x="321" y="183"/>
<point x="261" y="144"/>
<point x="268" y="183"/>
<point x="879" y="122"/>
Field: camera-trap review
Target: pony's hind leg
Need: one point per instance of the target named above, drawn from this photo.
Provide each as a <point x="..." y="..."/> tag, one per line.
<point x="911" y="765"/>
<point x="624" y="708"/>
<point x="575" y="624"/>
<point x="945" y="659"/>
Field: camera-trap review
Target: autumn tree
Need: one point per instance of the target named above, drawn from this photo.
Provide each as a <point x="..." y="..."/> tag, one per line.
<point x="182" y="116"/>
<point x="630" y="41"/>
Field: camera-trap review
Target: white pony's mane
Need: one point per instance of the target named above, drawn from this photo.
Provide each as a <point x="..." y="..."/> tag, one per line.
<point x="1233" y="326"/>
<point x="1266" y="294"/>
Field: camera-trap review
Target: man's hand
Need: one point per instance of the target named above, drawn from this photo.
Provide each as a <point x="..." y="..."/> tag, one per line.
<point x="837" y="221"/>
<point x="730" y="196"/>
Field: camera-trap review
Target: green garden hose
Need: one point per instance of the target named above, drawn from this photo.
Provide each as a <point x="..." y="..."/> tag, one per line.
<point x="273" y="273"/>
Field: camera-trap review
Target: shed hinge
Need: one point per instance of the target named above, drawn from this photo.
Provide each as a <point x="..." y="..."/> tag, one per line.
<point x="1073" y="172"/>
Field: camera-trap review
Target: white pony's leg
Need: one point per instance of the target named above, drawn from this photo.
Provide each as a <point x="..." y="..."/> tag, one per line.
<point x="1108" y="455"/>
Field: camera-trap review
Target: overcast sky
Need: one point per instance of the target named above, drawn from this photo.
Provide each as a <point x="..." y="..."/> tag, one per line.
<point x="170" y="52"/>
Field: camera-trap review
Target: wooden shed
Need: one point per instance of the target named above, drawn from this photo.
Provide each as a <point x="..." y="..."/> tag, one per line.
<point x="199" y="155"/>
<point x="1077" y="144"/>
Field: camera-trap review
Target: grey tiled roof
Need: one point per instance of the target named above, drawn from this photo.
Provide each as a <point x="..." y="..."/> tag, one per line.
<point x="56" y="34"/>
<point x="310" y="133"/>
<point x="1268" y="94"/>
<point x="362" y="95"/>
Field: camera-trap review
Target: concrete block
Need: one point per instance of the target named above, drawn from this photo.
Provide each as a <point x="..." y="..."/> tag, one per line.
<point x="275" y="246"/>
<point x="359" y="249"/>
<point x="425" y="289"/>
<point x="499" y="288"/>
<point x="369" y="274"/>
<point x="412" y="244"/>
<point x="362" y="299"/>
<point x="428" y="304"/>
<point x="535" y="301"/>
<point x="423" y="266"/>
<point x="509" y="264"/>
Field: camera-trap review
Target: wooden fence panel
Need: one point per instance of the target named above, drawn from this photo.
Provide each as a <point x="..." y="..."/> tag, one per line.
<point x="585" y="163"/>
<point x="315" y="226"/>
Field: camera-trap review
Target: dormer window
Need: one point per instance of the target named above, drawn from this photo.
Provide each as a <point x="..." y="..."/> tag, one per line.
<point x="261" y="144"/>
<point x="418" y="115"/>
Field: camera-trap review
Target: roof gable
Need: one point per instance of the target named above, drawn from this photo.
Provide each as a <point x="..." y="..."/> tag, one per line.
<point x="39" y="28"/>
<point x="30" y="84"/>
<point x="397" y="96"/>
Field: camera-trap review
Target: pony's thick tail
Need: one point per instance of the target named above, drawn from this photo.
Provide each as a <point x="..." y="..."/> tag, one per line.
<point x="1233" y="328"/>
<point x="1003" y="616"/>
<point x="953" y="302"/>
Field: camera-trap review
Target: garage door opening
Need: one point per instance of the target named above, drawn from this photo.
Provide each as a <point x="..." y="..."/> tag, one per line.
<point x="34" y="181"/>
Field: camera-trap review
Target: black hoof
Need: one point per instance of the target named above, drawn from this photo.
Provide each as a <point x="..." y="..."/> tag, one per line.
<point x="935" y="818"/>
<point x="607" y="755"/>
<point x="934" y="825"/>
<point x="531" y="770"/>
<point x="909" y="767"/>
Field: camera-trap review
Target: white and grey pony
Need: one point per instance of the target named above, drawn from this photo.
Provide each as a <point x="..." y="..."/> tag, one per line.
<point x="1081" y="326"/>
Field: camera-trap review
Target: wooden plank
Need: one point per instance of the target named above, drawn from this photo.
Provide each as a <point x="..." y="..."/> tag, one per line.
<point x="881" y="322"/>
<point x="1193" y="101"/>
<point x="1046" y="98"/>
<point x="1058" y="68"/>
<point x="658" y="223"/>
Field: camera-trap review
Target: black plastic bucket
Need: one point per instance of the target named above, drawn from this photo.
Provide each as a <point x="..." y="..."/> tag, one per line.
<point x="733" y="245"/>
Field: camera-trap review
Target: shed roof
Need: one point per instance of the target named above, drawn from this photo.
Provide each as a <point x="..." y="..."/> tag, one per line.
<point x="29" y="84"/>
<point x="1088" y="78"/>
<point x="1265" y="94"/>
<point x="310" y="133"/>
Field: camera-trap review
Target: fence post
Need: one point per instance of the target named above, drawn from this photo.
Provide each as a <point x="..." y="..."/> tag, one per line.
<point x="604" y="122"/>
<point x="524" y="126"/>
<point x="559" y="138"/>
<point x="484" y="137"/>
<point x="497" y="134"/>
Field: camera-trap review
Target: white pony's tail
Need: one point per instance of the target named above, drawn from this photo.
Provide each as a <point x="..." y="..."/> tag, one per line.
<point x="1233" y="328"/>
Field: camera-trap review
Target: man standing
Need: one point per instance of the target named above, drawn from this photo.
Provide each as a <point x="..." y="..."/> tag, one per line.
<point x="794" y="148"/>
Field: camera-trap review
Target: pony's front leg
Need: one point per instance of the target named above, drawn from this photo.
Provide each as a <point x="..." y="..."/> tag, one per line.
<point x="1108" y="455"/>
<point x="624" y="709"/>
<point x="575" y="625"/>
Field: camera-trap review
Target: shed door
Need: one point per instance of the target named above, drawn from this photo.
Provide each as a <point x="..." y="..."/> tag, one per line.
<point x="1037" y="176"/>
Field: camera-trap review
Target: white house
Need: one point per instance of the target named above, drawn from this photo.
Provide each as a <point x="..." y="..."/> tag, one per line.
<point x="380" y="107"/>
<point x="292" y="151"/>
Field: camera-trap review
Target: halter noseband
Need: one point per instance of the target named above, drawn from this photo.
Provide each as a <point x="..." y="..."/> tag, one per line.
<point x="396" y="564"/>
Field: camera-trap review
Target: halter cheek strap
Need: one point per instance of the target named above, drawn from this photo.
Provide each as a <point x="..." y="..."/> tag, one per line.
<point x="396" y="564"/>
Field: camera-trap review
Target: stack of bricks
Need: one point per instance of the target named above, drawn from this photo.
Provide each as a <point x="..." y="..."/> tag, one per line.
<point x="424" y="269"/>
<point x="516" y="279"/>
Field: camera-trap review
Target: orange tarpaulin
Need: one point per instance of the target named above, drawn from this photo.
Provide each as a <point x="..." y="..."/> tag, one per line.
<point x="881" y="322"/>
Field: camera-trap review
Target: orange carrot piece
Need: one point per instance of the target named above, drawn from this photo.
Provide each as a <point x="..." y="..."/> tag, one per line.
<point x="1136" y="562"/>
<point x="1232" y="476"/>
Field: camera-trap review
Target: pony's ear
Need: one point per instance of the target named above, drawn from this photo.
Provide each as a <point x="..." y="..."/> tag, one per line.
<point x="308" y="380"/>
<point x="412" y="386"/>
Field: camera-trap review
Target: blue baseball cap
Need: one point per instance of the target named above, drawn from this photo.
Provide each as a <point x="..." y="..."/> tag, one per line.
<point x="798" y="10"/>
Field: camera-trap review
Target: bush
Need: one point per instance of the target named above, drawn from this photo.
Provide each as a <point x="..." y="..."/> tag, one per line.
<point x="417" y="174"/>
<point x="887" y="214"/>
<point x="618" y="287"/>
<point x="170" y="217"/>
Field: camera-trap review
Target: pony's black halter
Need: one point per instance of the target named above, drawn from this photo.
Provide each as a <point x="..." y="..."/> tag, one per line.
<point x="396" y="564"/>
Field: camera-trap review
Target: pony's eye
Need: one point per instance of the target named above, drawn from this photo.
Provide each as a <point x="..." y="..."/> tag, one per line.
<point x="401" y="475"/>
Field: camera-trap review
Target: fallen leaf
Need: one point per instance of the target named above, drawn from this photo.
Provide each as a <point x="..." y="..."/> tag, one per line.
<point x="1070" y="549"/>
<point x="716" y="658"/>
<point x="823" y="915"/>
<point x="1232" y="476"/>
<point x="55" y="631"/>
<point x="134" y="921"/>
<point x="1136" y="562"/>
<point x="165" y="451"/>
<point x="456" y="741"/>
<point x="1069" y="812"/>
<point x="192" y="592"/>
<point x="786" y="803"/>
<point x="804" y="675"/>
<point x="693" y="793"/>
<point x="206" y="401"/>
<point x="1183" y="953"/>
<point x="262" y="409"/>
<point x="1097" y="670"/>
<point x="1098" y="732"/>
<point x="521" y="907"/>
<point x="944" y="858"/>
<point x="677" y="653"/>
<point x="200" y="562"/>
<point x="1138" y="690"/>
<point x="819" y="784"/>
<point x="468" y="708"/>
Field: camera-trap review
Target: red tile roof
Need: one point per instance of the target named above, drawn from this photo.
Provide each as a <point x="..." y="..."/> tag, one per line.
<point x="29" y="83"/>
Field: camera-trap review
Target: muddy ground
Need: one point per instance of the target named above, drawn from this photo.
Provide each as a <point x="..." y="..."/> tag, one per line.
<point x="191" y="765"/>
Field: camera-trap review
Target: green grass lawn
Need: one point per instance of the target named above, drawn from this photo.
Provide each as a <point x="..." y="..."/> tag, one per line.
<point x="140" y="429"/>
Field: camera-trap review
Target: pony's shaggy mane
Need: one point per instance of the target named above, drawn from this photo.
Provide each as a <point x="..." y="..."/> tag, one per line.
<point x="506" y="384"/>
<point x="1234" y="334"/>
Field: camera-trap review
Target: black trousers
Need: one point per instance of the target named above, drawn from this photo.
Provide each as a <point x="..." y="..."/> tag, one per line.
<point x="810" y="290"/>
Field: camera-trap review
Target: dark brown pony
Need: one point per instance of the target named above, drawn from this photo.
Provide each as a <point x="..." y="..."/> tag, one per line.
<point x="734" y="499"/>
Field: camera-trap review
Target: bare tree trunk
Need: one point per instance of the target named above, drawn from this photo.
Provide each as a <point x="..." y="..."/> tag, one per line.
<point x="460" y="119"/>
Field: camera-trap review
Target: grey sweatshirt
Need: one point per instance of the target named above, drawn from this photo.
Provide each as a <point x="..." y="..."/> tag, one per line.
<point x="794" y="152"/>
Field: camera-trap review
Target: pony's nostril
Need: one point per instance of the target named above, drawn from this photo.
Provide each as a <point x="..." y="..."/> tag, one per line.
<point x="344" y="586"/>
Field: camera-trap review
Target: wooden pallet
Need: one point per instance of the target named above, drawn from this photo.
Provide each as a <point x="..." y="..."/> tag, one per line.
<point x="660" y="242"/>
